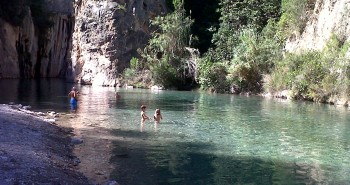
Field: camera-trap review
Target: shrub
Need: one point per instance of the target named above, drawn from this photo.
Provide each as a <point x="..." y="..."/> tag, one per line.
<point x="134" y="64"/>
<point x="254" y="56"/>
<point x="294" y="17"/>
<point x="129" y="73"/>
<point x="314" y="75"/>
<point x="164" y="74"/>
<point x="235" y="16"/>
<point x="212" y="76"/>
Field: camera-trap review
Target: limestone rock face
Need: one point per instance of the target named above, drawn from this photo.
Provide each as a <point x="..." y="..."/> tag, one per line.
<point x="107" y="35"/>
<point x="328" y="17"/>
<point x="27" y="51"/>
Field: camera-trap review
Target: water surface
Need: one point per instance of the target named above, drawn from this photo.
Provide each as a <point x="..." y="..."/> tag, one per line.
<point x="209" y="139"/>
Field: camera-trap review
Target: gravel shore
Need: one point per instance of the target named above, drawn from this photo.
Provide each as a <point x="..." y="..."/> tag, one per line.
<point x="34" y="150"/>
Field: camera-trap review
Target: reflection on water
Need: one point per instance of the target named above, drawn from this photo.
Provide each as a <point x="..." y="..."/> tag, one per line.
<point x="212" y="139"/>
<point x="41" y="94"/>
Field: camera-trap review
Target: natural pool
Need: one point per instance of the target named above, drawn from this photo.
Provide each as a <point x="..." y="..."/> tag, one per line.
<point x="215" y="139"/>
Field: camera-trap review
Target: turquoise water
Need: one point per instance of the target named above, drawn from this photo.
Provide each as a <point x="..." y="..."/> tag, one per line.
<point x="221" y="139"/>
<point x="214" y="139"/>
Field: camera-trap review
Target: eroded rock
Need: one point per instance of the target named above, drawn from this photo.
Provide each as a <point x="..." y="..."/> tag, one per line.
<point x="107" y="35"/>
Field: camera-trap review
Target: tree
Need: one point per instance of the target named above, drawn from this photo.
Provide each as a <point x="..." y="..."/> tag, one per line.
<point x="237" y="14"/>
<point x="166" y="54"/>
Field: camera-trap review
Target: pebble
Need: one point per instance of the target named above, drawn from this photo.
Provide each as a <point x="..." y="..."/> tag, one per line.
<point x="76" y="161"/>
<point x="51" y="114"/>
<point x="76" y="141"/>
<point x="50" y="120"/>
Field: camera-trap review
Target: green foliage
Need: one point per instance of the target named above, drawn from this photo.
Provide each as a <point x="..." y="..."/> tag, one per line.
<point x="174" y="4"/>
<point x="314" y="75"/>
<point x="236" y="15"/>
<point x="121" y="7"/>
<point x="164" y="74"/>
<point x="129" y="73"/>
<point x="133" y="74"/>
<point x="250" y="39"/>
<point x="294" y="17"/>
<point x="167" y="45"/>
<point x="134" y="63"/>
<point x="213" y="76"/>
<point x="254" y="56"/>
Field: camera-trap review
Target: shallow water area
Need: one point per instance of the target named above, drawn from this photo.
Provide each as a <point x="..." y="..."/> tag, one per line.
<point x="208" y="138"/>
<point x="219" y="139"/>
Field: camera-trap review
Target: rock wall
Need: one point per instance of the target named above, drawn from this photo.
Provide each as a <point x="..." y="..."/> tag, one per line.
<point x="328" y="17"/>
<point x="28" y="52"/>
<point x="107" y="35"/>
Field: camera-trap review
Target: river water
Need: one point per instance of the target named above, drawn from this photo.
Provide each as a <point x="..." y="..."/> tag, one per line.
<point x="204" y="139"/>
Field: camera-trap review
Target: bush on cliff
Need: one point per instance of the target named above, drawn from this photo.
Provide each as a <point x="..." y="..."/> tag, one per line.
<point x="320" y="76"/>
<point x="212" y="76"/>
<point x="244" y="44"/>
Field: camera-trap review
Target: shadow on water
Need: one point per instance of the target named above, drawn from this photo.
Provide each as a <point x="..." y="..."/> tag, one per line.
<point x="138" y="160"/>
<point x="41" y="94"/>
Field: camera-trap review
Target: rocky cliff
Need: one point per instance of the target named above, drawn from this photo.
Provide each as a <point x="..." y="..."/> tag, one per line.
<point x="29" y="49"/>
<point x="327" y="18"/>
<point x="86" y="41"/>
<point x="107" y="35"/>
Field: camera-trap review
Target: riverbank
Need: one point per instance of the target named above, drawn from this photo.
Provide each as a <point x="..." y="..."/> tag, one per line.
<point x="34" y="150"/>
<point x="94" y="150"/>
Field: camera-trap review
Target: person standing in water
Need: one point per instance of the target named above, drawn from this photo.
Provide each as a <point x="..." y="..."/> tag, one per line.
<point x="144" y="117"/>
<point x="157" y="116"/>
<point x="117" y="95"/>
<point x="73" y="95"/>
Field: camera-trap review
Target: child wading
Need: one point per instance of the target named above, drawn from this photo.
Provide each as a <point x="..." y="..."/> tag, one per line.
<point x="144" y="117"/>
<point x="157" y="116"/>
